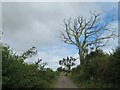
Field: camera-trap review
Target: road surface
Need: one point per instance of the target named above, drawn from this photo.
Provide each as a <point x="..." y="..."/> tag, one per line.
<point x="64" y="82"/>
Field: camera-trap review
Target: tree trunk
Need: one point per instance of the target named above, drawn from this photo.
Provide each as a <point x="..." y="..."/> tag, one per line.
<point x="69" y="67"/>
<point x="81" y="57"/>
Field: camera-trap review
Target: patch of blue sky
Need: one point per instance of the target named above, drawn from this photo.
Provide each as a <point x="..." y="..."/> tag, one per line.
<point x="109" y="9"/>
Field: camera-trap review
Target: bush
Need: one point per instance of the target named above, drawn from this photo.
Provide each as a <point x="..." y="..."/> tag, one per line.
<point x="111" y="73"/>
<point x="18" y="74"/>
<point x="100" y="70"/>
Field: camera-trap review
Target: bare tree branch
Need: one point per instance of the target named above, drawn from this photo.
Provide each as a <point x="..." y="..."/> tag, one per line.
<point x="83" y="32"/>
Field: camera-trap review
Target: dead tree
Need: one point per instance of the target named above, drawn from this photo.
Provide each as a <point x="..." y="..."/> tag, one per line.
<point x="86" y="33"/>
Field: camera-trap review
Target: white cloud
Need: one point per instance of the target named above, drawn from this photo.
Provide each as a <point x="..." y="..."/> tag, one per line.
<point x="30" y="24"/>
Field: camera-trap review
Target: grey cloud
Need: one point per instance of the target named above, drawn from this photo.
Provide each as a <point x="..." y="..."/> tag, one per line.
<point x="30" y="24"/>
<point x="39" y="24"/>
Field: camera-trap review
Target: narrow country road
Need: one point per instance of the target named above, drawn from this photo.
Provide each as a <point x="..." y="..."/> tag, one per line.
<point x="64" y="82"/>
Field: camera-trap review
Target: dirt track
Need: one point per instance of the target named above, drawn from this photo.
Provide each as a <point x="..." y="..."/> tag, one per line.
<point x="64" y="82"/>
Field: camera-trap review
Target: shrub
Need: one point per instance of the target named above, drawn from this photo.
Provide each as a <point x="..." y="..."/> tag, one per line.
<point x="100" y="70"/>
<point x="18" y="74"/>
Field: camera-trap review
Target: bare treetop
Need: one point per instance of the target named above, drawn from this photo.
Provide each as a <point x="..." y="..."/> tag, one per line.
<point x="83" y="32"/>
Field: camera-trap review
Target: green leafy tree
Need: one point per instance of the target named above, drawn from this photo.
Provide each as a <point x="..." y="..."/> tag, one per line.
<point x="60" y="69"/>
<point x="40" y="65"/>
<point x="29" y="53"/>
<point x="68" y="62"/>
<point x="19" y="75"/>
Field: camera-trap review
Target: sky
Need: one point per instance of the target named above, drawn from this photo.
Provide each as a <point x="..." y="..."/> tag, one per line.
<point x="59" y="0"/>
<point x="39" y="24"/>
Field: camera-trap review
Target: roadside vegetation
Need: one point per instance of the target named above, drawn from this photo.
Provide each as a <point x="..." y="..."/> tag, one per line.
<point x="100" y="70"/>
<point x="97" y="69"/>
<point x="18" y="74"/>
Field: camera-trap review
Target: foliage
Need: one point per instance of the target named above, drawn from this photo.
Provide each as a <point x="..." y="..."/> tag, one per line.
<point x="112" y="71"/>
<point x="18" y="74"/>
<point x="60" y="69"/>
<point x="68" y="62"/>
<point x="29" y="53"/>
<point x="100" y="70"/>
